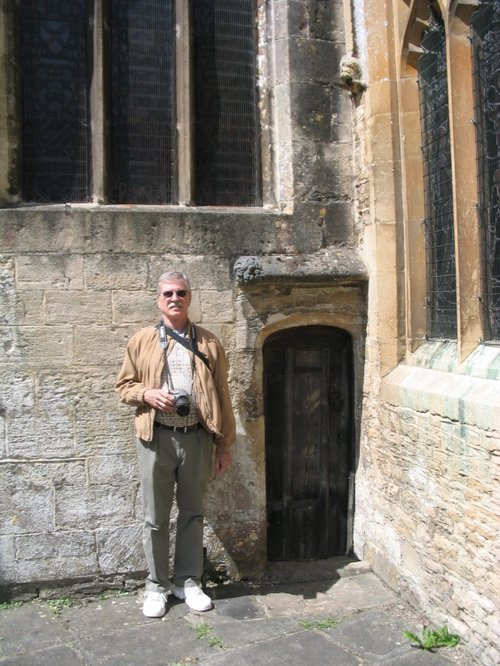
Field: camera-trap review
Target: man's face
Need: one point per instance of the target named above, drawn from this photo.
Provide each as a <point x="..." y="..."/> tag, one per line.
<point x="174" y="299"/>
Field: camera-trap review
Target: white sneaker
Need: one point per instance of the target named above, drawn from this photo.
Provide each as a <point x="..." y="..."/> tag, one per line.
<point x="155" y="604"/>
<point x="194" y="597"/>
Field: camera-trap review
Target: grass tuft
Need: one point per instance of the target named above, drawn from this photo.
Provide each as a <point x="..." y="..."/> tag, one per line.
<point x="326" y="623"/>
<point x="204" y="630"/>
<point x="5" y="605"/>
<point x="57" y="605"/>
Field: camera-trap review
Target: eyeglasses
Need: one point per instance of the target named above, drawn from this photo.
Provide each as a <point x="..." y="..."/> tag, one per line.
<point x="180" y="293"/>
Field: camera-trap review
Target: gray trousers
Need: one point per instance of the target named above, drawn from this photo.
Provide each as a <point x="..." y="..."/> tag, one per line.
<point x="181" y="463"/>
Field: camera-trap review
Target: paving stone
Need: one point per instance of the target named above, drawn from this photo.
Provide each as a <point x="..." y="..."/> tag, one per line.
<point x="417" y="657"/>
<point x="247" y="626"/>
<point x="155" y="644"/>
<point x="29" y="627"/>
<point x="62" y="655"/>
<point x="297" y="650"/>
<point x="373" y="632"/>
<point x="243" y="608"/>
<point x="256" y="631"/>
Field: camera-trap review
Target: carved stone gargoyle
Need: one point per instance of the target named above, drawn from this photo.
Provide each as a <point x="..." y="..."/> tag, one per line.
<point x="351" y="74"/>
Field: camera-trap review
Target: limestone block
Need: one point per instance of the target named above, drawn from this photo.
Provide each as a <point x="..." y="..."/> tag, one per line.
<point x="57" y="556"/>
<point x="100" y="346"/>
<point x="482" y="406"/>
<point x="134" y="307"/>
<point x="204" y="271"/>
<point x="116" y="271"/>
<point x="337" y="220"/>
<point x="115" y="470"/>
<point x="76" y="389"/>
<point x="311" y="111"/>
<point x="290" y="18"/>
<point x="37" y="346"/>
<point x="3" y="444"/>
<point x="125" y="230"/>
<point x="41" y="434"/>
<point x="29" y="308"/>
<point x="41" y="475"/>
<point x="282" y="61"/>
<point x="327" y="20"/>
<point x="87" y="508"/>
<point x="104" y="433"/>
<point x="40" y="230"/>
<point x="7" y="559"/>
<point x="458" y="397"/>
<point x="127" y="236"/>
<point x="214" y="233"/>
<point x="82" y="307"/>
<point x="195" y="309"/>
<point x="216" y="306"/>
<point x="138" y="506"/>
<point x="378" y="96"/>
<point x="314" y="60"/>
<point x="120" y="550"/>
<point x="7" y="291"/>
<point x="235" y="492"/>
<point x="26" y="510"/>
<point x="323" y="173"/>
<point x="17" y="391"/>
<point x="50" y="271"/>
<point x="56" y="544"/>
<point x="383" y="183"/>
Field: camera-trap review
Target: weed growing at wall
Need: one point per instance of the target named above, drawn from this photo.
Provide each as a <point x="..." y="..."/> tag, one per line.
<point x="431" y="639"/>
<point x="4" y="605"/>
<point x="57" y="605"/>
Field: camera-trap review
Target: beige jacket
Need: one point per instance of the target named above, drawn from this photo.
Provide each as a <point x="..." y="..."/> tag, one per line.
<point x="142" y="370"/>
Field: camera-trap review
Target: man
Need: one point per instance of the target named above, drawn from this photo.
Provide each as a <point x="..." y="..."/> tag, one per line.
<point x="175" y="374"/>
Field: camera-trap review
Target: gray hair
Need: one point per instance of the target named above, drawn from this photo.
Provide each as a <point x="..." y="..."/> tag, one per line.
<point x="172" y="275"/>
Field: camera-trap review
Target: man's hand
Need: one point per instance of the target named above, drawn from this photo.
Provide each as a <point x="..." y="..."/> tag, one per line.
<point x="222" y="461"/>
<point x="161" y="400"/>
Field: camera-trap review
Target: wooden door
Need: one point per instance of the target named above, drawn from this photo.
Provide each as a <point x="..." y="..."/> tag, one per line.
<point x="309" y="426"/>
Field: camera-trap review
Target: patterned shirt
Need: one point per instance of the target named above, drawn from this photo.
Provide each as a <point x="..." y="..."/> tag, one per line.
<point x="178" y="376"/>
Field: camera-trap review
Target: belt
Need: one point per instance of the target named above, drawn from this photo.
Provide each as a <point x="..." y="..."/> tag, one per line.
<point x="178" y="428"/>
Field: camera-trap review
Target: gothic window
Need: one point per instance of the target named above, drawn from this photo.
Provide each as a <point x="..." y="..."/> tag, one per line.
<point x="55" y="101"/>
<point x="175" y="118"/>
<point x="142" y="131"/>
<point x="438" y="192"/>
<point x="486" y="61"/>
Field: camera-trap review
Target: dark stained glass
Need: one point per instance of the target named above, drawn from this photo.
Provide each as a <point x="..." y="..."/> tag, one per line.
<point x="486" y="60"/>
<point x="439" y="229"/>
<point x="54" y="100"/>
<point x="142" y="102"/>
<point x="226" y="141"/>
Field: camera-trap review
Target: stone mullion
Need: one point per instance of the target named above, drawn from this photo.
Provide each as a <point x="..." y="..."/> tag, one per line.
<point x="184" y="101"/>
<point x="9" y="107"/>
<point x="465" y="183"/>
<point x="97" y="105"/>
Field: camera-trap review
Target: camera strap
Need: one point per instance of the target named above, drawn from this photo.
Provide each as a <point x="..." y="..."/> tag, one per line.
<point x="190" y="344"/>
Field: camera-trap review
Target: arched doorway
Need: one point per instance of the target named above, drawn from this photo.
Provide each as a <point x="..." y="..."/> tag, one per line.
<point x="308" y="406"/>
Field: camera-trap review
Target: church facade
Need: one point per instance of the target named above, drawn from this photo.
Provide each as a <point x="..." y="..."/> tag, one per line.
<point x="327" y="173"/>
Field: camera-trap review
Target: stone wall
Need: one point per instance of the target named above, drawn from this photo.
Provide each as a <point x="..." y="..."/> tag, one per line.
<point x="76" y="285"/>
<point x="427" y="496"/>
<point x="427" y="482"/>
<point x="78" y="280"/>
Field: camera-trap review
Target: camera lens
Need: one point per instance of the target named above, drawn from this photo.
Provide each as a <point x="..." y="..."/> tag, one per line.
<point x="182" y="405"/>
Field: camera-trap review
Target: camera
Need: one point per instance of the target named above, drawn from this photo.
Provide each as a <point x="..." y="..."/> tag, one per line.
<point x="182" y="402"/>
